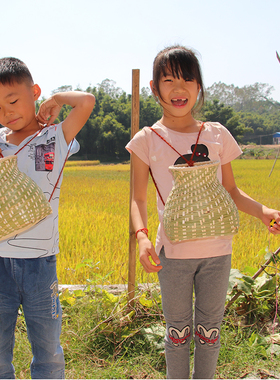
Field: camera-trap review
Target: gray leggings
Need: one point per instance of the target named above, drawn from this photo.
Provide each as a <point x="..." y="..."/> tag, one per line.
<point x="209" y="280"/>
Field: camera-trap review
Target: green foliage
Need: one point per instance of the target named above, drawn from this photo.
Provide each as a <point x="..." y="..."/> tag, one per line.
<point x="218" y="112"/>
<point x="257" y="111"/>
<point x="256" y="300"/>
<point x="104" y="338"/>
<point x="114" y="332"/>
<point x="248" y="111"/>
<point x="251" y="98"/>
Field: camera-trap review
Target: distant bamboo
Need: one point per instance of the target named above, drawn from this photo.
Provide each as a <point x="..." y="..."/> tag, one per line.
<point x="278" y="57"/>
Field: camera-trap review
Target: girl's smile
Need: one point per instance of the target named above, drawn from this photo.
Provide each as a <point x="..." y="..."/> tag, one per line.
<point x="177" y="97"/>
<point x="178" y="103"/>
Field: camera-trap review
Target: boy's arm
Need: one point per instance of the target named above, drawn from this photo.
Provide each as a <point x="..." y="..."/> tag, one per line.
<point x="82" y="104"/>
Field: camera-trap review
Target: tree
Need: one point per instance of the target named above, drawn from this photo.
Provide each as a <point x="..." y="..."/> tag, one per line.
<point x="215" y="111"/>
<point x="108" y="86"/>
<point x="150" y="111"/>
<point x="251" y="98"/>
<point x="112" y="137"/>
<point x="64" y="88"/>
<point x="107" y="130"/>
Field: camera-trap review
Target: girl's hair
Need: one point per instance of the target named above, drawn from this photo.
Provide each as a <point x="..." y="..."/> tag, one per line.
<point x="181" y="62"/>
<point x="14" y="70"/>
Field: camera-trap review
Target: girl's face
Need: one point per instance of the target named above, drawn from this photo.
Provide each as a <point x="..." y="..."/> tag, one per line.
<point x="177" y="95"/>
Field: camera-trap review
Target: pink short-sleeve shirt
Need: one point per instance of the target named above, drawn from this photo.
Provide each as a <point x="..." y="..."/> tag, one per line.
<point x="215" y="144"/>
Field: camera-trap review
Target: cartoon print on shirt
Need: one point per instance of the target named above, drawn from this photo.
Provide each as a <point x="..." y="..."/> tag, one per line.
<point x="201" y="154"/>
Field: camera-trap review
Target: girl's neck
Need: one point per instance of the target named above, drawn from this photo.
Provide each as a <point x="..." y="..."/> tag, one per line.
<point x="184" y="125"/>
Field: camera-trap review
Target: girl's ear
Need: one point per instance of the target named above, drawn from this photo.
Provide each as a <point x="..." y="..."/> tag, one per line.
<point x="36" y="91"/>
<point x="152" y="88"/>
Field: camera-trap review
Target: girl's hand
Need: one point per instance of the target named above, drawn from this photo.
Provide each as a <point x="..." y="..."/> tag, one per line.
<point x="271" y="218"/>
<point x="146" y="251"/>
<point x="48" y="111"/>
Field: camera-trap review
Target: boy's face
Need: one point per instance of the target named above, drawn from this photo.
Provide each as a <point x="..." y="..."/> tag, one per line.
<point x="17" y="105"/>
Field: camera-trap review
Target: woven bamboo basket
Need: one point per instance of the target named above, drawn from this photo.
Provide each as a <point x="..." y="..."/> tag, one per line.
<point x="22" y="202"/>
<point x="198" y="206"/>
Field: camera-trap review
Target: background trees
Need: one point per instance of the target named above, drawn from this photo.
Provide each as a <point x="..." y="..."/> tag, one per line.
<point x="250" y="114"/>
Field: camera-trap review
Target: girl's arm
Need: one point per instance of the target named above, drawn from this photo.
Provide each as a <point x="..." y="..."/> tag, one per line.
<point x="139" y="214"/>
<point x="82" y="104"/>
<point x="247" y="204"/>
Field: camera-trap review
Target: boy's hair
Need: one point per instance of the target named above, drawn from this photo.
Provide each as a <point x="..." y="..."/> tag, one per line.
<point x="182" y="62"/>
<point x="14" y="70"/>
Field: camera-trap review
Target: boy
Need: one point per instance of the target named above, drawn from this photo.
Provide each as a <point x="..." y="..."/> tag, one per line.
<point x="28" y="260"/>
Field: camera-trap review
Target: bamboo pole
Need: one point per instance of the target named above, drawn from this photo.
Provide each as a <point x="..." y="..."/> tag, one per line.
<point x="132" y="239"/>
<point x="274" y="162"/>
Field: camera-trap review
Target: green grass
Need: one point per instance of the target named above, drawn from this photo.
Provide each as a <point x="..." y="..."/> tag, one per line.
<point x="100" y="336"/>
<point x="103" y="339"/>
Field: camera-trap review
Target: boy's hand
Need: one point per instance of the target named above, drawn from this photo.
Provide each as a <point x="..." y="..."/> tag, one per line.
<point x="82" y="104"/>
<point x="48" y="111"/>
<point x="147" y="250"/>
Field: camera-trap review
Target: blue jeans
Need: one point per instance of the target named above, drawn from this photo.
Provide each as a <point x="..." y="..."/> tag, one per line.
<point x="33" y="284"/>
<point x="187" y="317"/>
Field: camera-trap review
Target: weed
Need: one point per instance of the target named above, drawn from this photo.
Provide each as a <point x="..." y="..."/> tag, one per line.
<point x="102" y="338"/>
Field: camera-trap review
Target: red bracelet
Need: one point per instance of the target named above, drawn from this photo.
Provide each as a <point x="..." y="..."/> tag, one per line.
<point x="144" y="230"/>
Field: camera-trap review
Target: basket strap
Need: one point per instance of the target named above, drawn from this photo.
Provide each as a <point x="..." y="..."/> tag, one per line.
<point x="159" y="194"/>
<point x="67" y="155"/>
<point x="55" y="186"/>
<point x="32" y="138"/>
<point x="189" y="162"/>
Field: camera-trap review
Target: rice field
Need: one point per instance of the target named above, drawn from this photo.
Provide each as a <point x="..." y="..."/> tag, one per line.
<point x="94" y="221"/>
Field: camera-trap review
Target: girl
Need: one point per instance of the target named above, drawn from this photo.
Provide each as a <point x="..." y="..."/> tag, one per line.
<point x="201" y="264"/>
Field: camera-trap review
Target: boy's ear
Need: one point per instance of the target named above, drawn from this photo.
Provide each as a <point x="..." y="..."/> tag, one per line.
<point x="36" y="91"/>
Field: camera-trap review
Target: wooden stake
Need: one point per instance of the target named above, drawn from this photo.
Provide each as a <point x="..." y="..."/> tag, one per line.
<point x="135" y="106"/>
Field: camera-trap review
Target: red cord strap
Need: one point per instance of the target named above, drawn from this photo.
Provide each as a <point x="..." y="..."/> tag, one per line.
<point x="1" y="155"/>
<point x="28" y="142"/>
<point x="55" y="186"/>
<point x="189" y="162"/>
